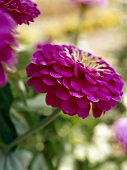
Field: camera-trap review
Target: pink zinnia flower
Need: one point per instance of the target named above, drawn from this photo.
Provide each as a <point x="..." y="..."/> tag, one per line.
<point x="22" y="11"/>
<point x="90" y="2"/>
<point x="74" y="79"/>
<point x="7" y="42"/>
<point x="120" y="130"/>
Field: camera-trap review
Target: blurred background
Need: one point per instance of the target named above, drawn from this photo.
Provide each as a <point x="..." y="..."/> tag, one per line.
<point x="70" y="143"/>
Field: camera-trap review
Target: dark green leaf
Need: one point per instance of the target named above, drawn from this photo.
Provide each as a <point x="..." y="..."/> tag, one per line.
<point x="7" y="130"/>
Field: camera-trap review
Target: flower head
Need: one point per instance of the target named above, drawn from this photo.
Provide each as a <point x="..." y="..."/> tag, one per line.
<point x="22" y="11"/>
<point x="74" y="79"/>
<point x="120" y="131"/>
<point x="90" y="2"/>
<point x="7" y="42"/>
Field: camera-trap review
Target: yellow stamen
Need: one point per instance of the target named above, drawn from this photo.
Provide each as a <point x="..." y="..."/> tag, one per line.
<point x="82" y="57"/>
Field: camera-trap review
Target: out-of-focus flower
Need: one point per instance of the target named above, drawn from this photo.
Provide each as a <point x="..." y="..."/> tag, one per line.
<point x="74" y="79"/>
<point x="120" y="131"/>
<point x="22" y="11"/>
<point x="7" y="42"/>
<point x="90" y="2"/>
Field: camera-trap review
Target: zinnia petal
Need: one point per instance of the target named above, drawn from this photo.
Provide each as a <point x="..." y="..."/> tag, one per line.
<point x="22" y="11"/>
<point x="8" y="56"/>
<point x="74" y="80"/>
<point x="83" y="113"/>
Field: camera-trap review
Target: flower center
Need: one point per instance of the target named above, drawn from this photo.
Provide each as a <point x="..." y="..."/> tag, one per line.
<point x="78" y="56"/>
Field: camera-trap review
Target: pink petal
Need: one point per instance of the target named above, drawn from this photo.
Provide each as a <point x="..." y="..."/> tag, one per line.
<point x="113" y="90"/>
<point x="84" y="90"/>
<point x="47" y="55"/>
<point x="76" y="94"/>
<point x="90" y="79"/>
<point x="75" y="83"/>
<point x="101" y="94"/>
<point x="101" y="82"/>
<point x="93" y="98"/>
<point x="31" y="81"/>
<point x="96" y="111"/>
<point x="94" y="75"/>
<point x="60" y="81"/>
<point x="76" y="70"/>
<point x="62" y="93"/>
<point x="40" y="86"/>
<point x="116" y="98"/>
<point x="113" y="103"/>
<point x="90" y="87"/>
<point x="55" y="75"/>
<point x="33" y="70"/>
<point x="104" y="89"/>
<point x="52" y="100"/>
<point x="45" y="70"/>
<point x="49" y="80"/>
<point x="105" y="106"/>
<point x="62" y="61"/>
<point x="70" y="61"/>
<point x="121" y="93"/>
<point x="66" y="82"/>
<point x="83" y="112"/>
<point x="67" y="72"/>
<point x="82" y="102"/>
<point x="108" y="77"/>
<point x="69" y="107"/>
<point x="58" y="67"/>
<point x="107" y="98"/>
<point x="50" y="63"/>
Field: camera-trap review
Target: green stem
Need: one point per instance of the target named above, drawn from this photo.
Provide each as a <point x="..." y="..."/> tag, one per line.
<point x="16" y="80"/>
<point x="39" y="126"/>
<point x="77" y="32"/>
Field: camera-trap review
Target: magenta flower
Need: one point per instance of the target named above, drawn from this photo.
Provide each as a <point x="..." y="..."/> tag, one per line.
<point x="90" y="2"/>
<point x="120" y="131"/>
<point x="7" y="42"/>
<point x="74" y="80"/>
<point x="22" y="11"/>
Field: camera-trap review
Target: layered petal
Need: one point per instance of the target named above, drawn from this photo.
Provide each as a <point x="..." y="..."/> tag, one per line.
<point x="75" y="78"/>
<point x="22" y="11"/>
<point x="8" y="56"/>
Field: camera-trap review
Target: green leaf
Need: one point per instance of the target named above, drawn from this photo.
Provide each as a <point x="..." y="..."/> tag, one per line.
<point x="40" y="163"/>
<point x="12" y="162"/>
<point x="2" y="161"/>
<point x="6" y="98"/>
<point x="24" y="156"/>
<point x="35" y="110"/>
<point x="38" y="103"/>
<point x="7" y="129"/>
<point x="21" y="124"/>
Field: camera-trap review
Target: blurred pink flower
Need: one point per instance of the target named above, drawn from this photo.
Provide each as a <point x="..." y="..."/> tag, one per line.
<point x="90" y="2"/>
<point x="7" y="42"/>
<point x="22" y="11"/>
<point x="120" y="131"/>
<point x="74" y="79"/>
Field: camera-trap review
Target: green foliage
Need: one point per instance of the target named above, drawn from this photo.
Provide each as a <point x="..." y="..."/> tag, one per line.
<point x="15" y="161"/>
<point x="7" y="129"/>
